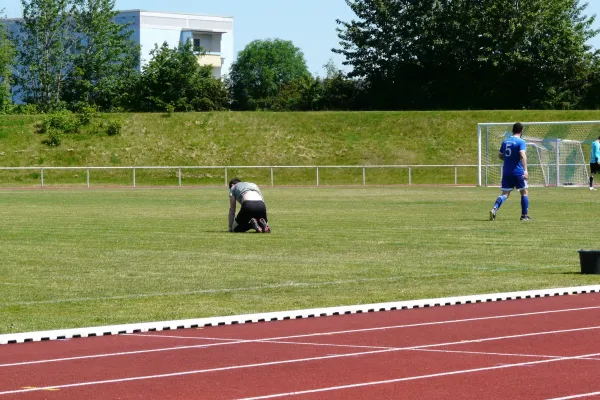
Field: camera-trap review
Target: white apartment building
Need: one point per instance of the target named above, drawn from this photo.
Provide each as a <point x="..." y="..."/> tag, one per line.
<point x="213" y="34"/>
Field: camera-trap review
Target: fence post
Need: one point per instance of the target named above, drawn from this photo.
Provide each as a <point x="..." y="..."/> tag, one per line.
<point x="479" y="150"/>
<point x="179" y="176"/>
<point x="409" y="175"/>
<point x="364" y="176"/>
<point x="42" y="176"/>
<point x="226" y="177"/>
<point x="87" y="177"/>
<point x="317" y="176"/>
<point x="271" y="176"/>
<point x="557" y="162"/>
<point x="133" y="176"/>
<point x="456" y="175"/>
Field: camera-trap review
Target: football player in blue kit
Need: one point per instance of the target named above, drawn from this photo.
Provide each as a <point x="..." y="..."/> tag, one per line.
<point x="513" y="152"/>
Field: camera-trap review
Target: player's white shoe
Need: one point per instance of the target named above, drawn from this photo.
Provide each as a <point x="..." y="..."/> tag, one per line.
<point x="592" y="188"/>
<point x="493" y="212"/>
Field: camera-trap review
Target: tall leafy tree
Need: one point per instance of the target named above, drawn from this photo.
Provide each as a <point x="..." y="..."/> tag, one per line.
<point x="7" y="55"/>
<point x="104" y="55"/>
<point x="262" y="68"/>
<point x="591" y="99"/>
<point x="469" y="53"/>
<point x="386" y="46"/>
<point x="44" y="46"/>
<point x="173" y="79"/>
<point x="339" y="92"/>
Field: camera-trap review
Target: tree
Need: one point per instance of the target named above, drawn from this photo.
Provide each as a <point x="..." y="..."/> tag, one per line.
<point x="44" y="46"/>
<point x="104" y="55"/>
<point x="173" y="79"/>
<point x="339" y="91"/>
<point x="591" y="99"/>
<point x="7" y="55"/>
<point x="262" y="68"/>
<point x="469" y="53"/>
<point x="301" y="94"/>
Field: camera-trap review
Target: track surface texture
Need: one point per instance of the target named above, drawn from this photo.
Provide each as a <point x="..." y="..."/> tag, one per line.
<point x="539" y="348"/>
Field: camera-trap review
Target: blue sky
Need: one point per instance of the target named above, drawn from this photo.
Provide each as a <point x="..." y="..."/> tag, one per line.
<point x="310" y="24"/>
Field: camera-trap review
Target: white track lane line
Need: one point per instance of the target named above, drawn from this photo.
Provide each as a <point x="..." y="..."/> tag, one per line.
<point x="124" y="353"/>
<point x="577" y="396"/>
<point x="271" y="363"/>
<point x="138" y="378"/>
<point x="355" y="346"/>
<point x="412" y="378"/>
<point x="498" y="354"/>
<point x="234" y="341"/>
<point x="381" y="328"/>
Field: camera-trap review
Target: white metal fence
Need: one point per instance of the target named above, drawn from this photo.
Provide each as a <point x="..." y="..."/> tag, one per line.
<point x="317" y="169"/>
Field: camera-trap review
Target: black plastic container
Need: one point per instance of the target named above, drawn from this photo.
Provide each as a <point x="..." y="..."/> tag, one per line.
<point x="590" y="261"/>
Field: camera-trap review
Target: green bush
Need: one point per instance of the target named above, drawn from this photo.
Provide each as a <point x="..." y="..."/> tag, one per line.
<point x="114" y="128"/>
<point x="98" y="127"/>
<point x="203" y="104"/>
<point x="25" y="109"/>
<point x="86" y="114"/>
<point x="53" y="140"/>
<point x="63" y="121"/>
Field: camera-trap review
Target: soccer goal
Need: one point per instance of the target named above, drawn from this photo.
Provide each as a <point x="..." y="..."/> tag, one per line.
<point x="555" y="152"/>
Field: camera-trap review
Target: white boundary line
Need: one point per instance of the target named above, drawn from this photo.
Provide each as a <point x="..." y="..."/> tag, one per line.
<point x="285" y="315"/>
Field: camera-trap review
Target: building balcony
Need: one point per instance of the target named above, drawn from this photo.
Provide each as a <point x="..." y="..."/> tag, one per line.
<point x="214" y="60"/>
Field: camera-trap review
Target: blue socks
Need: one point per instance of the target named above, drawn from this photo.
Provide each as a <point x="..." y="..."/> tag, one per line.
<point x="524" y="205"/>
<point x="501" y="199"/>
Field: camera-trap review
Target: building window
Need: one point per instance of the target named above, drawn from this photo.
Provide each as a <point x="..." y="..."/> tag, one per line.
<point x="203" y="42"/>
<point x="197" y="45"/>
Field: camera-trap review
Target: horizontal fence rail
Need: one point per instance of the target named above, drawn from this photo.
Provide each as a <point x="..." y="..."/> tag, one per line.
<point x="318" y="169"/>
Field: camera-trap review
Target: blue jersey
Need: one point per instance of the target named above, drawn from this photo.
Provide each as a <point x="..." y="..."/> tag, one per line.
<point x="595" y="156"/>
<point x="511" y="148"/>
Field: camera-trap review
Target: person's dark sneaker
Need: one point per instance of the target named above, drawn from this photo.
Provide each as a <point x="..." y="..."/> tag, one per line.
<point x="254" y="224"/>
<point x="265" y="227"/>
<point x="493" y="212"/>
<point x="526" y="218"/>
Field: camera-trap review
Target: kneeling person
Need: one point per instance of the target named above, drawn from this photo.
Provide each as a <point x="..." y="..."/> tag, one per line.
<point x="253" y="213"/>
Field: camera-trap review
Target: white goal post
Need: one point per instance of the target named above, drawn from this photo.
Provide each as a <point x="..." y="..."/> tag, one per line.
<point x="556" y="151"/>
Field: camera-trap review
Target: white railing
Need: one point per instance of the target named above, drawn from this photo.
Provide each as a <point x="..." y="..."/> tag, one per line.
<point x="225" y="169"/>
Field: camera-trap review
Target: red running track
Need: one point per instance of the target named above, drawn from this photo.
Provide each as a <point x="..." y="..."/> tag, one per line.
<point x="542" y="348"/>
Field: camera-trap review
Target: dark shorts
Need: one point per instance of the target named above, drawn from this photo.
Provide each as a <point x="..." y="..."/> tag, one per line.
<point x="511" y="182"/>
<point x="250" y="209"/>
<point x="595" y="168"/>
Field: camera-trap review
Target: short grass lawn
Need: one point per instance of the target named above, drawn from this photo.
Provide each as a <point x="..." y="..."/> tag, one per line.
<point x="89" y="257"/>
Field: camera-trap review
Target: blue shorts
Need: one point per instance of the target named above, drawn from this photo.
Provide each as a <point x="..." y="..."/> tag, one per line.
<point x="510" y="182"/>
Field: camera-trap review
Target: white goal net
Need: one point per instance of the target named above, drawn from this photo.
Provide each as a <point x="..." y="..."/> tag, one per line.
<point x="557" y="152"/>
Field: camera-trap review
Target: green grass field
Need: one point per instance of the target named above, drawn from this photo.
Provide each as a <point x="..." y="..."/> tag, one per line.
<point x="75" y="258"/>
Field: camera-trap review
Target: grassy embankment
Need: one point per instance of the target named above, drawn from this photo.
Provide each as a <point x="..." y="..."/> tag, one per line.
<point x="229" y="138"/>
